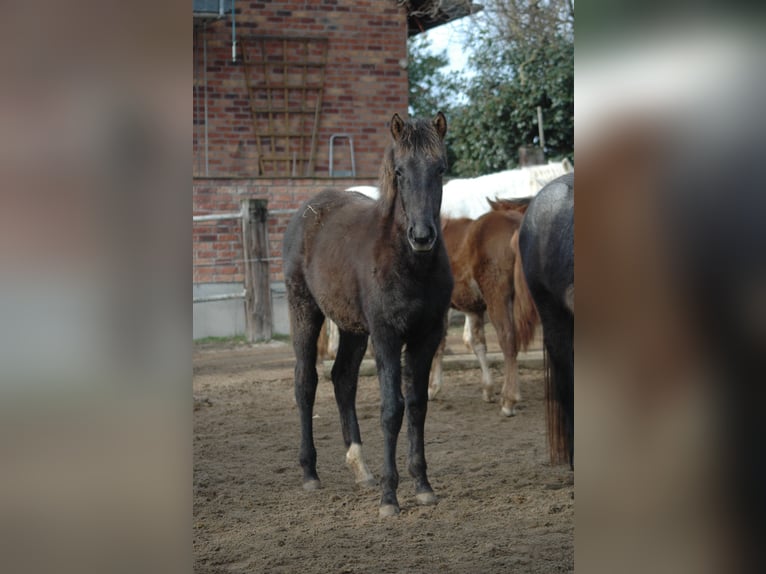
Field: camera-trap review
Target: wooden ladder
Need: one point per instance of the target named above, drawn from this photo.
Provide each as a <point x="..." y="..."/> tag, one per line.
<point x="281" y="92"/>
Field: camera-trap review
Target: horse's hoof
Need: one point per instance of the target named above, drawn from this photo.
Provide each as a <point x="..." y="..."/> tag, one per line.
<point x="508" y="411"/>
<point x="367" y="483"/>
<point x="425" y="498"/>
<point x="432" y="393"/>
<point x="312" y="485"/>
<point x="387" y="510"/>
<point x="488" y="397"/>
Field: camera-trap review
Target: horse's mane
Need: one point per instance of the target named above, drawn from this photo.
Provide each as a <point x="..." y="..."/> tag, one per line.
<point x="518" y="204"/>
<point x="417" y="136"/>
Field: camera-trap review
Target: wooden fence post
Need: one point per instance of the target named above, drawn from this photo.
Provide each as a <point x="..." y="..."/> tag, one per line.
<point x="258" y="323"/>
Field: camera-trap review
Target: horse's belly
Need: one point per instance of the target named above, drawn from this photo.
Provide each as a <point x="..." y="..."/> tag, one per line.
<point x="349" y="323"/>
<point x="467" y="296"/>
<point x="344" y="311"/>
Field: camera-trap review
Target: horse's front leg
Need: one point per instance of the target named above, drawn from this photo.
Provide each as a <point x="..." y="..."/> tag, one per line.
<point x="345" y="375"/>
<point x="418" y="356"/>
<point x="388" y="350"/>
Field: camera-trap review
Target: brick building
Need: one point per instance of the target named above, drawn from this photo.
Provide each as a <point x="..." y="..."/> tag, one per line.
<point x="274" y="86"/>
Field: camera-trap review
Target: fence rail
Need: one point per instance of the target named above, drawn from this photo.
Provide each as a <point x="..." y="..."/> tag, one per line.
<point x="218" y="216"/>
<point x="223" y="297"/>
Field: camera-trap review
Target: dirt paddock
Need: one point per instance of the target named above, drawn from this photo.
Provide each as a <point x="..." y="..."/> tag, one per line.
<point x="502" y="507"/>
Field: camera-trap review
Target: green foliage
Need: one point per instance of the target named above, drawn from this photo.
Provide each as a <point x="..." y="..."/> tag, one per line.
<point x="522" y="57"/>
<point x="501" y="113"/>
<point x="429" y="86"/>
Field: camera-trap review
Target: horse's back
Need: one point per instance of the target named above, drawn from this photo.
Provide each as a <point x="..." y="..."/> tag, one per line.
<point x="329" y="213"/>
<point x="546" y="238"/>
<point x="481" y="257"/>
<point x="327" y="248"/>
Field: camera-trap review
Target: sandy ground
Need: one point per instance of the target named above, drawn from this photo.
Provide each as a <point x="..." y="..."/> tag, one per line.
<point x="502" y="507"/>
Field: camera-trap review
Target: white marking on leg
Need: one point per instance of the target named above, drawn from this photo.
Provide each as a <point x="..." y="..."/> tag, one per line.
<point x="436" y="378"/>
<point x="477" y="342"/>
<point x="425" y="498"/>
<point x="333" y="339"/>
<point x="487" y="385"/>
<point x="467" y="331"/>
<point x="388" y="510"/>
<point x="354" y="460"/>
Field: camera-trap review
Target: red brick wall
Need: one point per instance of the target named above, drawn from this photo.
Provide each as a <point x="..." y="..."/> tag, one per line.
<point x="217" y="245"/>
<point x="364" y="84"/>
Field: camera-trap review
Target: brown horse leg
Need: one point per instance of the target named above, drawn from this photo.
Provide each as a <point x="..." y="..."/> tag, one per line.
<point x="437" y="377"/>
<point x="305" y="324"/>
<point x="510" y="394"/>
<point x="322" y="344"/>
<point x="417" y="360"/>
<point x="500" y="313"/>
<point x="388" y="349"/>
<point x="478" y="343"/>
<point x="345" y="376"/>
<point x="333" y="339"/>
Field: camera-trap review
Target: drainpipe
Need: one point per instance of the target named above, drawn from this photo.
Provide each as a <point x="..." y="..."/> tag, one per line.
<point x="204" y="91"/>
<point x="233" y="35"/>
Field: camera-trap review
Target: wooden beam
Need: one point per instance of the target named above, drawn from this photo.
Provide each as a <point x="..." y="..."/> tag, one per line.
<point x="258" y="320"/>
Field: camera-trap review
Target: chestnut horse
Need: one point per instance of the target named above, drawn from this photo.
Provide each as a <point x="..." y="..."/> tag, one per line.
<point x="546" y="244"/>
<point x="488" y="277"/>
<point x="377" y="268"/>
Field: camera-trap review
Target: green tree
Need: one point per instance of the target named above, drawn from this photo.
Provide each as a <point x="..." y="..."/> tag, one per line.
<point x="501" y="112"/>
<point x="522" y="58"/>
<point x="430" y="87"/>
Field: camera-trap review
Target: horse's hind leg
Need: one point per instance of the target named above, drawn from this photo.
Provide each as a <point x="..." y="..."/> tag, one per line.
<point x="305" y="324"/>
<point x="437" y="371"/>
<point x="474" y="328"/>
<point x="500" y="314"/>
<point x="345" y="376"/>
<point x="558" y="334"/>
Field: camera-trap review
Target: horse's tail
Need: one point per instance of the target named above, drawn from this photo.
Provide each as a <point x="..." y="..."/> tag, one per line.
<point x="559" y="411"/>
<point x="525" y="317"/>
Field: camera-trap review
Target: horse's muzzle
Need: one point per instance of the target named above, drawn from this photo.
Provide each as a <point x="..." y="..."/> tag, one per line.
<point x="421" y="237"/>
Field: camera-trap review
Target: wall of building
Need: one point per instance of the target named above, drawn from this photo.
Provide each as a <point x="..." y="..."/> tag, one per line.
<point x="365" y="83"/>
<point x="217" y="245"/>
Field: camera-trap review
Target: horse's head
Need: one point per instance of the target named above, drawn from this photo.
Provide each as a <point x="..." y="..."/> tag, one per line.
<point x="413" y="176"/>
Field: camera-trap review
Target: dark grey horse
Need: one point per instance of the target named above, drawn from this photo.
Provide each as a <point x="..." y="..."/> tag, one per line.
<point x="546" y="242"/>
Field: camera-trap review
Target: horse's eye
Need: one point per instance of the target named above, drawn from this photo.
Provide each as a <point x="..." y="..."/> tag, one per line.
<point x="398" y="172"/>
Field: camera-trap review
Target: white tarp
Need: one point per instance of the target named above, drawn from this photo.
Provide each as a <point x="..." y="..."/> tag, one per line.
<point x="467" y="197"/>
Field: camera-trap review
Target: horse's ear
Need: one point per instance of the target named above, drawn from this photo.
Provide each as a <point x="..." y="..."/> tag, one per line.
<point x="440" y="123"/>
<point x="397" y="125"/>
